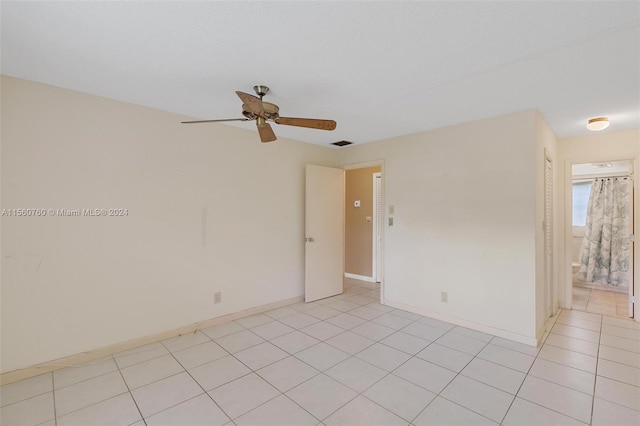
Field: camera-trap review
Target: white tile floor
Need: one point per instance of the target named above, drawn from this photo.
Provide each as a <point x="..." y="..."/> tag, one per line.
<point x="348" y="360"/>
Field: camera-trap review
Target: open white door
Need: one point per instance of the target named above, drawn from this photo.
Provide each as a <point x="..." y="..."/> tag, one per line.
<point x="324" y="232"/>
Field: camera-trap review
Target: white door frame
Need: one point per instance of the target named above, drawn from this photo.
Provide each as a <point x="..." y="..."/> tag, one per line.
<point x="376" y="235"/>
<point x="568" y="220"/>
<point x="363" y="165"/>
<point x="550" y="301"/>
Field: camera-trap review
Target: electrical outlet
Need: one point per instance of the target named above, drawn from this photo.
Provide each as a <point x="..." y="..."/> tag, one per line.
<point x="444" y="297"/>
<point x="217" y="297"/>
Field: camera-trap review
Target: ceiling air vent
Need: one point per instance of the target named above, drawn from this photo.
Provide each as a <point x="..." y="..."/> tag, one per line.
<point x="342" y="143"/>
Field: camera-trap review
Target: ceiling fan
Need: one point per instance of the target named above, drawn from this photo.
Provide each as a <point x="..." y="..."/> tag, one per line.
<point x="254" y="108"/>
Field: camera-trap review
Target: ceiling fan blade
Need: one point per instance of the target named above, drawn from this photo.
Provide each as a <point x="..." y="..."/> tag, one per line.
<point x="266" y="133"/>
<point x="251" y="103"/>
<point x="311" y="123"/>
<point x="214" y="121"/>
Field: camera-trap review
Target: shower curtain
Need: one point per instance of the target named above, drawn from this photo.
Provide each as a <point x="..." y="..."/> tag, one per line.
<point x="604" y="255"/>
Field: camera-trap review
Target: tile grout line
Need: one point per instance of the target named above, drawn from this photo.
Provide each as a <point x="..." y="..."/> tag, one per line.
<point x="450" y="330"/>
<point x="595" y="378"/>
<point x="388" y="373"/>
<point x="171" y="375"/>
<point x="601" y="331"/>
<point x="315" y="375"/>
<point x="561" y="385"/>
<point x="563" y="365"/>
<point x="319" y="371"/>
<point x="439" y="394"/>
<point x="337" y="381"/>
<point x="621" y="382"/>
<point x="619" y="363"/>
<point x="307" y="380"/>
<point x="53" y="390"/>
<point x="91" y="378"/>
<point x="130" y="393"/>
<point x="198" y="383"/>
<point x="288" y="355"/>
<point x="97" y="402"/>
<point x="527" y="374"/>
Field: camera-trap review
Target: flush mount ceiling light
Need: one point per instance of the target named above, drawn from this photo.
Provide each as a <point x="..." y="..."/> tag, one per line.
<point x="602" y="165"/>
<point x="598" y="123"/>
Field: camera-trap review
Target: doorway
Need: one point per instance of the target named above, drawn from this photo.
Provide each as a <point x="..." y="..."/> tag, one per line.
<point x="364" y="224"/>
<point x="327" y="235"/>
<point x="361" y="214"/>
<point x="602" y="250"/>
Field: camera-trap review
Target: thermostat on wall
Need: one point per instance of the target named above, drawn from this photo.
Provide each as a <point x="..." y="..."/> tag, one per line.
<point x="356" y="203"/>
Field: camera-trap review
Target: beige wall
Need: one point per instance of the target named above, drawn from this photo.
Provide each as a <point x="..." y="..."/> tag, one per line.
<point x="465" y="222"/>
<point x="359" y="233"/>
<point x="71" y="284"/>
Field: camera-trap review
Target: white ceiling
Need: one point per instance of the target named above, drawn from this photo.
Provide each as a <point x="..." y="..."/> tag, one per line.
<point x="380" y="69"/>
<point x="605" y="168"/>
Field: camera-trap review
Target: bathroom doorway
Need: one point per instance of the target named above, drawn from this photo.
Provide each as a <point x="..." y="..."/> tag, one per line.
<point x="602" y="233"/>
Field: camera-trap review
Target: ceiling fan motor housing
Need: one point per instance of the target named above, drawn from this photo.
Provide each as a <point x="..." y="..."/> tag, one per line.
<point x="271" y="111"/>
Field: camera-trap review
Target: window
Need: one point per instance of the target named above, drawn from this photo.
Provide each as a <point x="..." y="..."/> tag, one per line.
<point x="581" y="192"/>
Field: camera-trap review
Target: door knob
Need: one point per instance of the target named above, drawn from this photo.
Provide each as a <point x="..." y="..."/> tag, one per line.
<point x="308" y="239"/>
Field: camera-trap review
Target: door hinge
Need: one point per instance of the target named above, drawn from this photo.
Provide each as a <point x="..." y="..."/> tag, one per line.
<point x="632" y="299"/>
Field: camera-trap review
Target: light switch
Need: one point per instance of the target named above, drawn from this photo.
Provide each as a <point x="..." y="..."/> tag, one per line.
<point x="356" y="203"/>
<point x="390" y="221"/>
<point x="391" y="210"/>
<point x="368" y="219"/>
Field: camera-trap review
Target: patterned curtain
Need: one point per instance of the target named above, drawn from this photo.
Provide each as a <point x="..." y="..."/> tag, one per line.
<point x="604" y="255"/>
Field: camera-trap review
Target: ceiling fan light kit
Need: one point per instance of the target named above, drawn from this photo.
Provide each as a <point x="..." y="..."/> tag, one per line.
<point x="255" y="109"/>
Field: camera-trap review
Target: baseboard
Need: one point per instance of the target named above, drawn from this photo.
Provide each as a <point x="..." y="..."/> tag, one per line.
<point x="359" y="277"/>
<point x="543" y="331"/>
<point x="83" y="357"/>
<point x="531" y="341"/>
